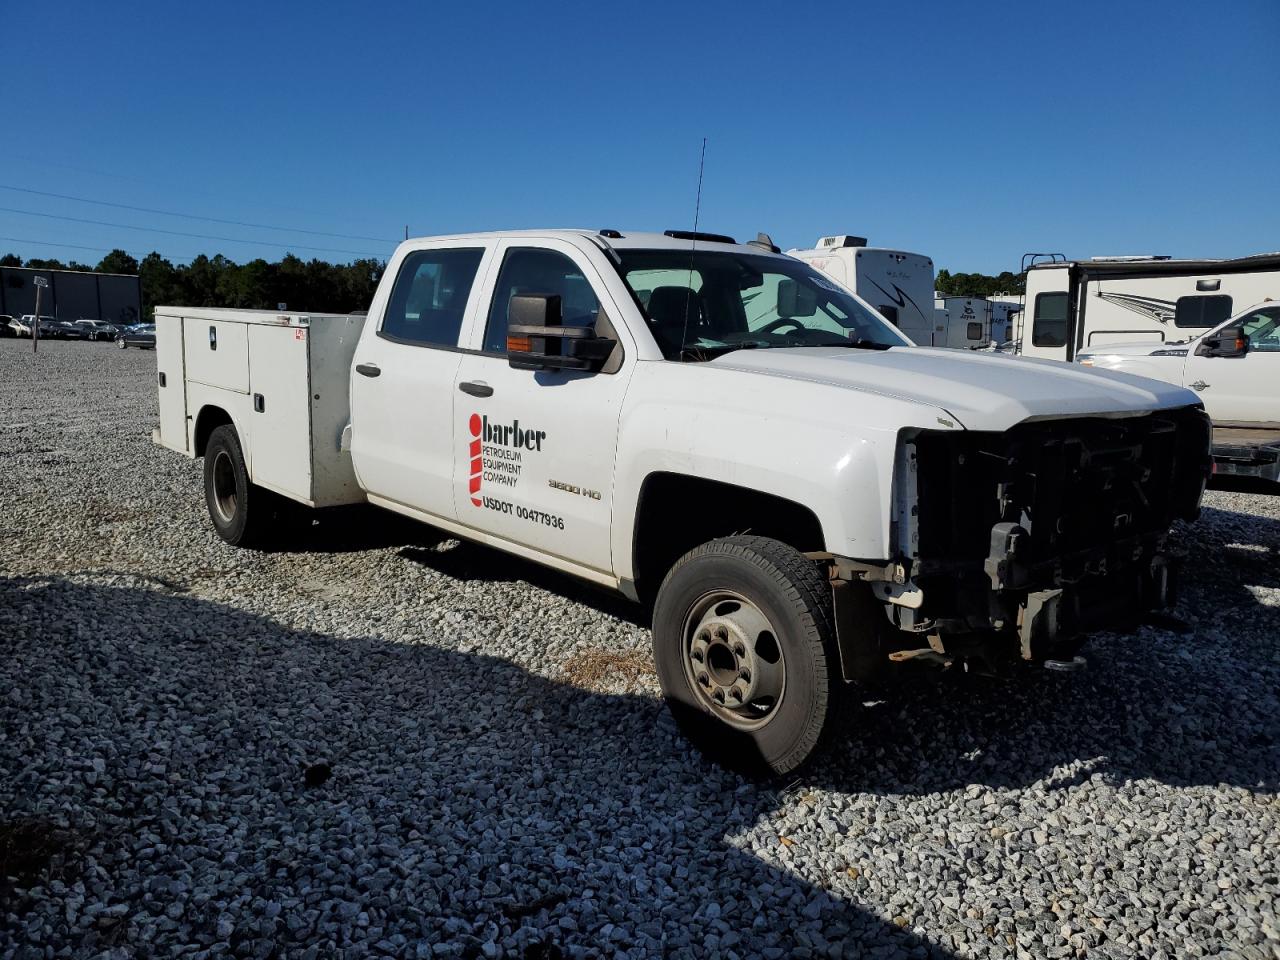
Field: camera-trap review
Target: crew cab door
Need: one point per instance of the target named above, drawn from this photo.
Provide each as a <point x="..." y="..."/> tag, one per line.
<point x="403" y="376"/>
<point x="1241" y="389"/>
<point x="533" y="449"/>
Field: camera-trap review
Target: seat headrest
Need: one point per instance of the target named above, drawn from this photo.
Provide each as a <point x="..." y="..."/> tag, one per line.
<point x="674" y="306"/>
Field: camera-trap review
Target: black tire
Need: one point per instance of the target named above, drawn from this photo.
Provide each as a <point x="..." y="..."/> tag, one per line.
<point x="796" y="602"/>
<point x="122" y="344"/>
<point x="243" y="514"/>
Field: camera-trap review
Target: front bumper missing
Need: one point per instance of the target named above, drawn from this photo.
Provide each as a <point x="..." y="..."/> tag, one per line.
<point x="1046" y="626"/>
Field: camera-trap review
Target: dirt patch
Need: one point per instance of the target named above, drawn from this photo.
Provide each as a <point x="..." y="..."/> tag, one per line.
<point x="596" y="669"/>
<point x="33" y="849"/>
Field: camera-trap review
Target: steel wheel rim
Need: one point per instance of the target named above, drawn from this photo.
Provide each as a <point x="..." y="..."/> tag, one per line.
<point x="733" y="659"/>
<point x="224" y="487"/>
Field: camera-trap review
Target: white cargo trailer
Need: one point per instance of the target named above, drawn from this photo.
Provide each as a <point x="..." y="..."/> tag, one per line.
<point x="281" y="379"/>
<point x="897" y="283"/>
<point x="1073" y="306"/>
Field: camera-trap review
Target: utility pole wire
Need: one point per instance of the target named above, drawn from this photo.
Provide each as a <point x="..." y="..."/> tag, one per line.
<point x="190" y="216"/>
<point x="180" y="233"/>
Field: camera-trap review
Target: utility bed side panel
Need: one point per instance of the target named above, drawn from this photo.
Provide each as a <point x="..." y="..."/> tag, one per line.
<point x="281" y="417"/>
<point x="171" y="375"/>
<point x="333" y="346"/>
<point x="217" y="353"/>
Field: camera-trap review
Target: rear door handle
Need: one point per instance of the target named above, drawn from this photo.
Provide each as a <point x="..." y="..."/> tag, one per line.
<point x="368" y="369"/>
<point x="476" y="388"/>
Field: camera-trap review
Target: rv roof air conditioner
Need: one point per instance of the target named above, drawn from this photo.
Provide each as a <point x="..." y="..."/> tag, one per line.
<point x="843" y="240"/>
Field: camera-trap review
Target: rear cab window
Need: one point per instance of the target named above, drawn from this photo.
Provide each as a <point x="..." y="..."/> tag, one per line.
<point x="429" y="299"/>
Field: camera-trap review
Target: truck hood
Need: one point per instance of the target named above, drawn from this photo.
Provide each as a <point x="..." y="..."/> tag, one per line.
<point x="981" y="391"/>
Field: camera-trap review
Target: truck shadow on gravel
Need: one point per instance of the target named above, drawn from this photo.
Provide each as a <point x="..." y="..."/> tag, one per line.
<point x="1191" y="701"/>
<point x="457" y="799"/>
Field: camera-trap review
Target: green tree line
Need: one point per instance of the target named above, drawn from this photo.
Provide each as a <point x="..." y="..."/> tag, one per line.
<point x="979" y="284"/>
<point x="338" y="287"/>
<point x="220" y="282"/>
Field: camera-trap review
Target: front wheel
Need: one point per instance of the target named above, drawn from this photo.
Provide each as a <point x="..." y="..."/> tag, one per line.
<point x="122" y="344"/>
<point x="746" y="654"/>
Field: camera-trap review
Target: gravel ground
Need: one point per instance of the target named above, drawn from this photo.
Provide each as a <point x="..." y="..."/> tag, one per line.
<point x="384" y="744"/>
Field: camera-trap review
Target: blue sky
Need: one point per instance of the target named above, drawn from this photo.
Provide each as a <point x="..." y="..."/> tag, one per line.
<point x="969" y="132"/>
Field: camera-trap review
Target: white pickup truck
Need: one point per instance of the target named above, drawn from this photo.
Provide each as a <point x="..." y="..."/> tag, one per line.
<point x="1235" y="368"/>
<point x="720" y="430"/>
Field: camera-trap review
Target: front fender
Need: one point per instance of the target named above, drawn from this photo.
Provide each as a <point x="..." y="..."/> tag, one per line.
<point x="829" y="449"/>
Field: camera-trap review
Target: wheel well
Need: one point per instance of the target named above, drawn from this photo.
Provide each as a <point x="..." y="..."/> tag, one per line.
<point x="208" y="420"/>
<point x="677" y="512"/>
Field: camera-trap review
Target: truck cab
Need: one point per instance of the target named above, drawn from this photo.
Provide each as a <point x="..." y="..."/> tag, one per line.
<point x="800" y="495"/>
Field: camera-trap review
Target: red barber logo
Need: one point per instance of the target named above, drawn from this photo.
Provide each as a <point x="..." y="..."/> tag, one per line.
<point x="476" y="462"/>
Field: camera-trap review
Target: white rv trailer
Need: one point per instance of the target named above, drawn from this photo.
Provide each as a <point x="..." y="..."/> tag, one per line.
<point x="971" y="322"/>
<point x="898" y="284"/>
<point x="1076" y="305"/>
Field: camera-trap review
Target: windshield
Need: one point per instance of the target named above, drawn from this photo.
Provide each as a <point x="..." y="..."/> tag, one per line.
<point x="702" y="305"/>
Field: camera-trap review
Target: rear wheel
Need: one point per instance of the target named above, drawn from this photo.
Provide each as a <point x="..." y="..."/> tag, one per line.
<point x="244" y="514"/>
<point x="746" y="654"/>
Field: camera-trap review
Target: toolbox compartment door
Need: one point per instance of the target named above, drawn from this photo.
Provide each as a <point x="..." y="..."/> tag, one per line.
<point x="172" y="383"/>
<point x="280" y="421"/>
<point x="217" y="353"/>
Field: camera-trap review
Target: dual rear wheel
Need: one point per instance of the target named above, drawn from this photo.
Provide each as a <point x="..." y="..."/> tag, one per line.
<point x="243" y="514"/>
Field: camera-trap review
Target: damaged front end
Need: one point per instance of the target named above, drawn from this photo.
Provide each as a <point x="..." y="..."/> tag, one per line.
<point x="1012" y="546"/>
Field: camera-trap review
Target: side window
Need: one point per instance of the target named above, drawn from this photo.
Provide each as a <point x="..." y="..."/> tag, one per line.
<point x="430" y="296"/>
<point x="1200" y="311"/>
<point x="528" y="270"/>
<point x="1263" y="330"/>
<point x="1049" y="327"/>
<point x="974" y="331"/>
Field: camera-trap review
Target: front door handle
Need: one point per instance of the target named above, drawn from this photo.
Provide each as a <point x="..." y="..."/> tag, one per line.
<point x="1198" y="385"/>
<point x="476" y="388"/>
<point x="368" y="369"/>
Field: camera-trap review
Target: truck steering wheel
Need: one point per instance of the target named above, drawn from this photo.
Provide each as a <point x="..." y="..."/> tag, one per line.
<point x="774" y="325"/>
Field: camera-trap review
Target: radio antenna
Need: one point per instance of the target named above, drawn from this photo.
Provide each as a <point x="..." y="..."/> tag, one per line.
<point x="697" y="210"/>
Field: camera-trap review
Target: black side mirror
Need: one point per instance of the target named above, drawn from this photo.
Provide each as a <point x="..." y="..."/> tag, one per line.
<point x="538" y="340"/>
<point x="1230" y="341"/>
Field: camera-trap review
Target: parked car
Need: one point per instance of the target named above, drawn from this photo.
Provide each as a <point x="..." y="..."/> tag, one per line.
<point x="6" y="326"/>
<point x="97" y="329"/>
<point x="21" y="326"/>
<point x="141" y="335"/>
<point x="54" y="329"/>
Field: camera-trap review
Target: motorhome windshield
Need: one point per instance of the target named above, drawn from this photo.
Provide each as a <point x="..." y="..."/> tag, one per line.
<point x="702" y="305"/>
